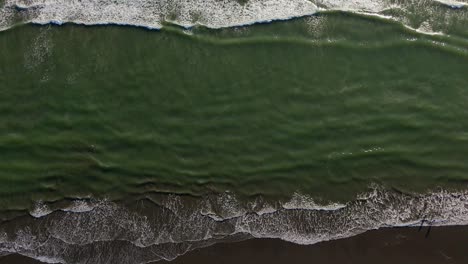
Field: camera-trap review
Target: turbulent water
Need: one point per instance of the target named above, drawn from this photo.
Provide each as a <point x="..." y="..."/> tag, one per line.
<point x="164" y="227"/>
<point x="127" y="145"/>
<point x="431" y="16"/>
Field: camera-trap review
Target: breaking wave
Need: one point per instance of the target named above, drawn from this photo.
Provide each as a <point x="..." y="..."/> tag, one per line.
<point x="423" y="15"/>
<point x="160" y="226"/>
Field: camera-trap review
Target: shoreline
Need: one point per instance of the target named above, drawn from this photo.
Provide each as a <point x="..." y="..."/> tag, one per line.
<point x="152" y="230"/>
<point x="435" y="245"/>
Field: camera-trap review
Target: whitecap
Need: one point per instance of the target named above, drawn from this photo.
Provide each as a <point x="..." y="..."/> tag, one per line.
<point x="179" y="224"/>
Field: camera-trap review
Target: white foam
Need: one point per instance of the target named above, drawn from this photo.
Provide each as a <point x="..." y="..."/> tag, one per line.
<point x="299" y="201"/>
<point x="453" y="4"/>
<point x="183" y="224"/>
<point x="40" y="209"/>
<point x="48" y="259"/>
<point x="211" y="13"/>
<point x="425" y="28"/>
<point x="151" y="14"/>
<point x="79" y="206"/>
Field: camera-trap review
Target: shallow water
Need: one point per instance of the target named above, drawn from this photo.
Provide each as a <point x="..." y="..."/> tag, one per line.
<point x="112" y="110"/>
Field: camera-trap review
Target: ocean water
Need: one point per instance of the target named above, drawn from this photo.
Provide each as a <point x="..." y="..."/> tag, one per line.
<point x="134" y="131"/>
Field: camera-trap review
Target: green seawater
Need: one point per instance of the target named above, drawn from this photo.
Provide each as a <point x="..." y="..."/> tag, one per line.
<point x="324" y="105"/>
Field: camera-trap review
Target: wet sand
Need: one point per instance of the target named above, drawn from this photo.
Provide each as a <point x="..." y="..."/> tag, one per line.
<point x="391" y="245"/>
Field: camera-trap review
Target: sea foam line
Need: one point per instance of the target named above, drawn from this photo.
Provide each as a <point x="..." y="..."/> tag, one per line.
<point x="173" y="224"/>
<point x="212" y="13"/>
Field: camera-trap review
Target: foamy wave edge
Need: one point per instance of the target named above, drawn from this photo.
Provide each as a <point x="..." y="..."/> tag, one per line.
<point x="211" y="13"/>
<point x="167" y="226"/>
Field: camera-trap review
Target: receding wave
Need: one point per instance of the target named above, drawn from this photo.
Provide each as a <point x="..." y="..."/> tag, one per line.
<point x="160" y="226"/>
<point x="425" y="16"/>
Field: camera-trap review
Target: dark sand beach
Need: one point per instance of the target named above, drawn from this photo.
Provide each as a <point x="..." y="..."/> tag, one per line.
<point x="392" y="245"/>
